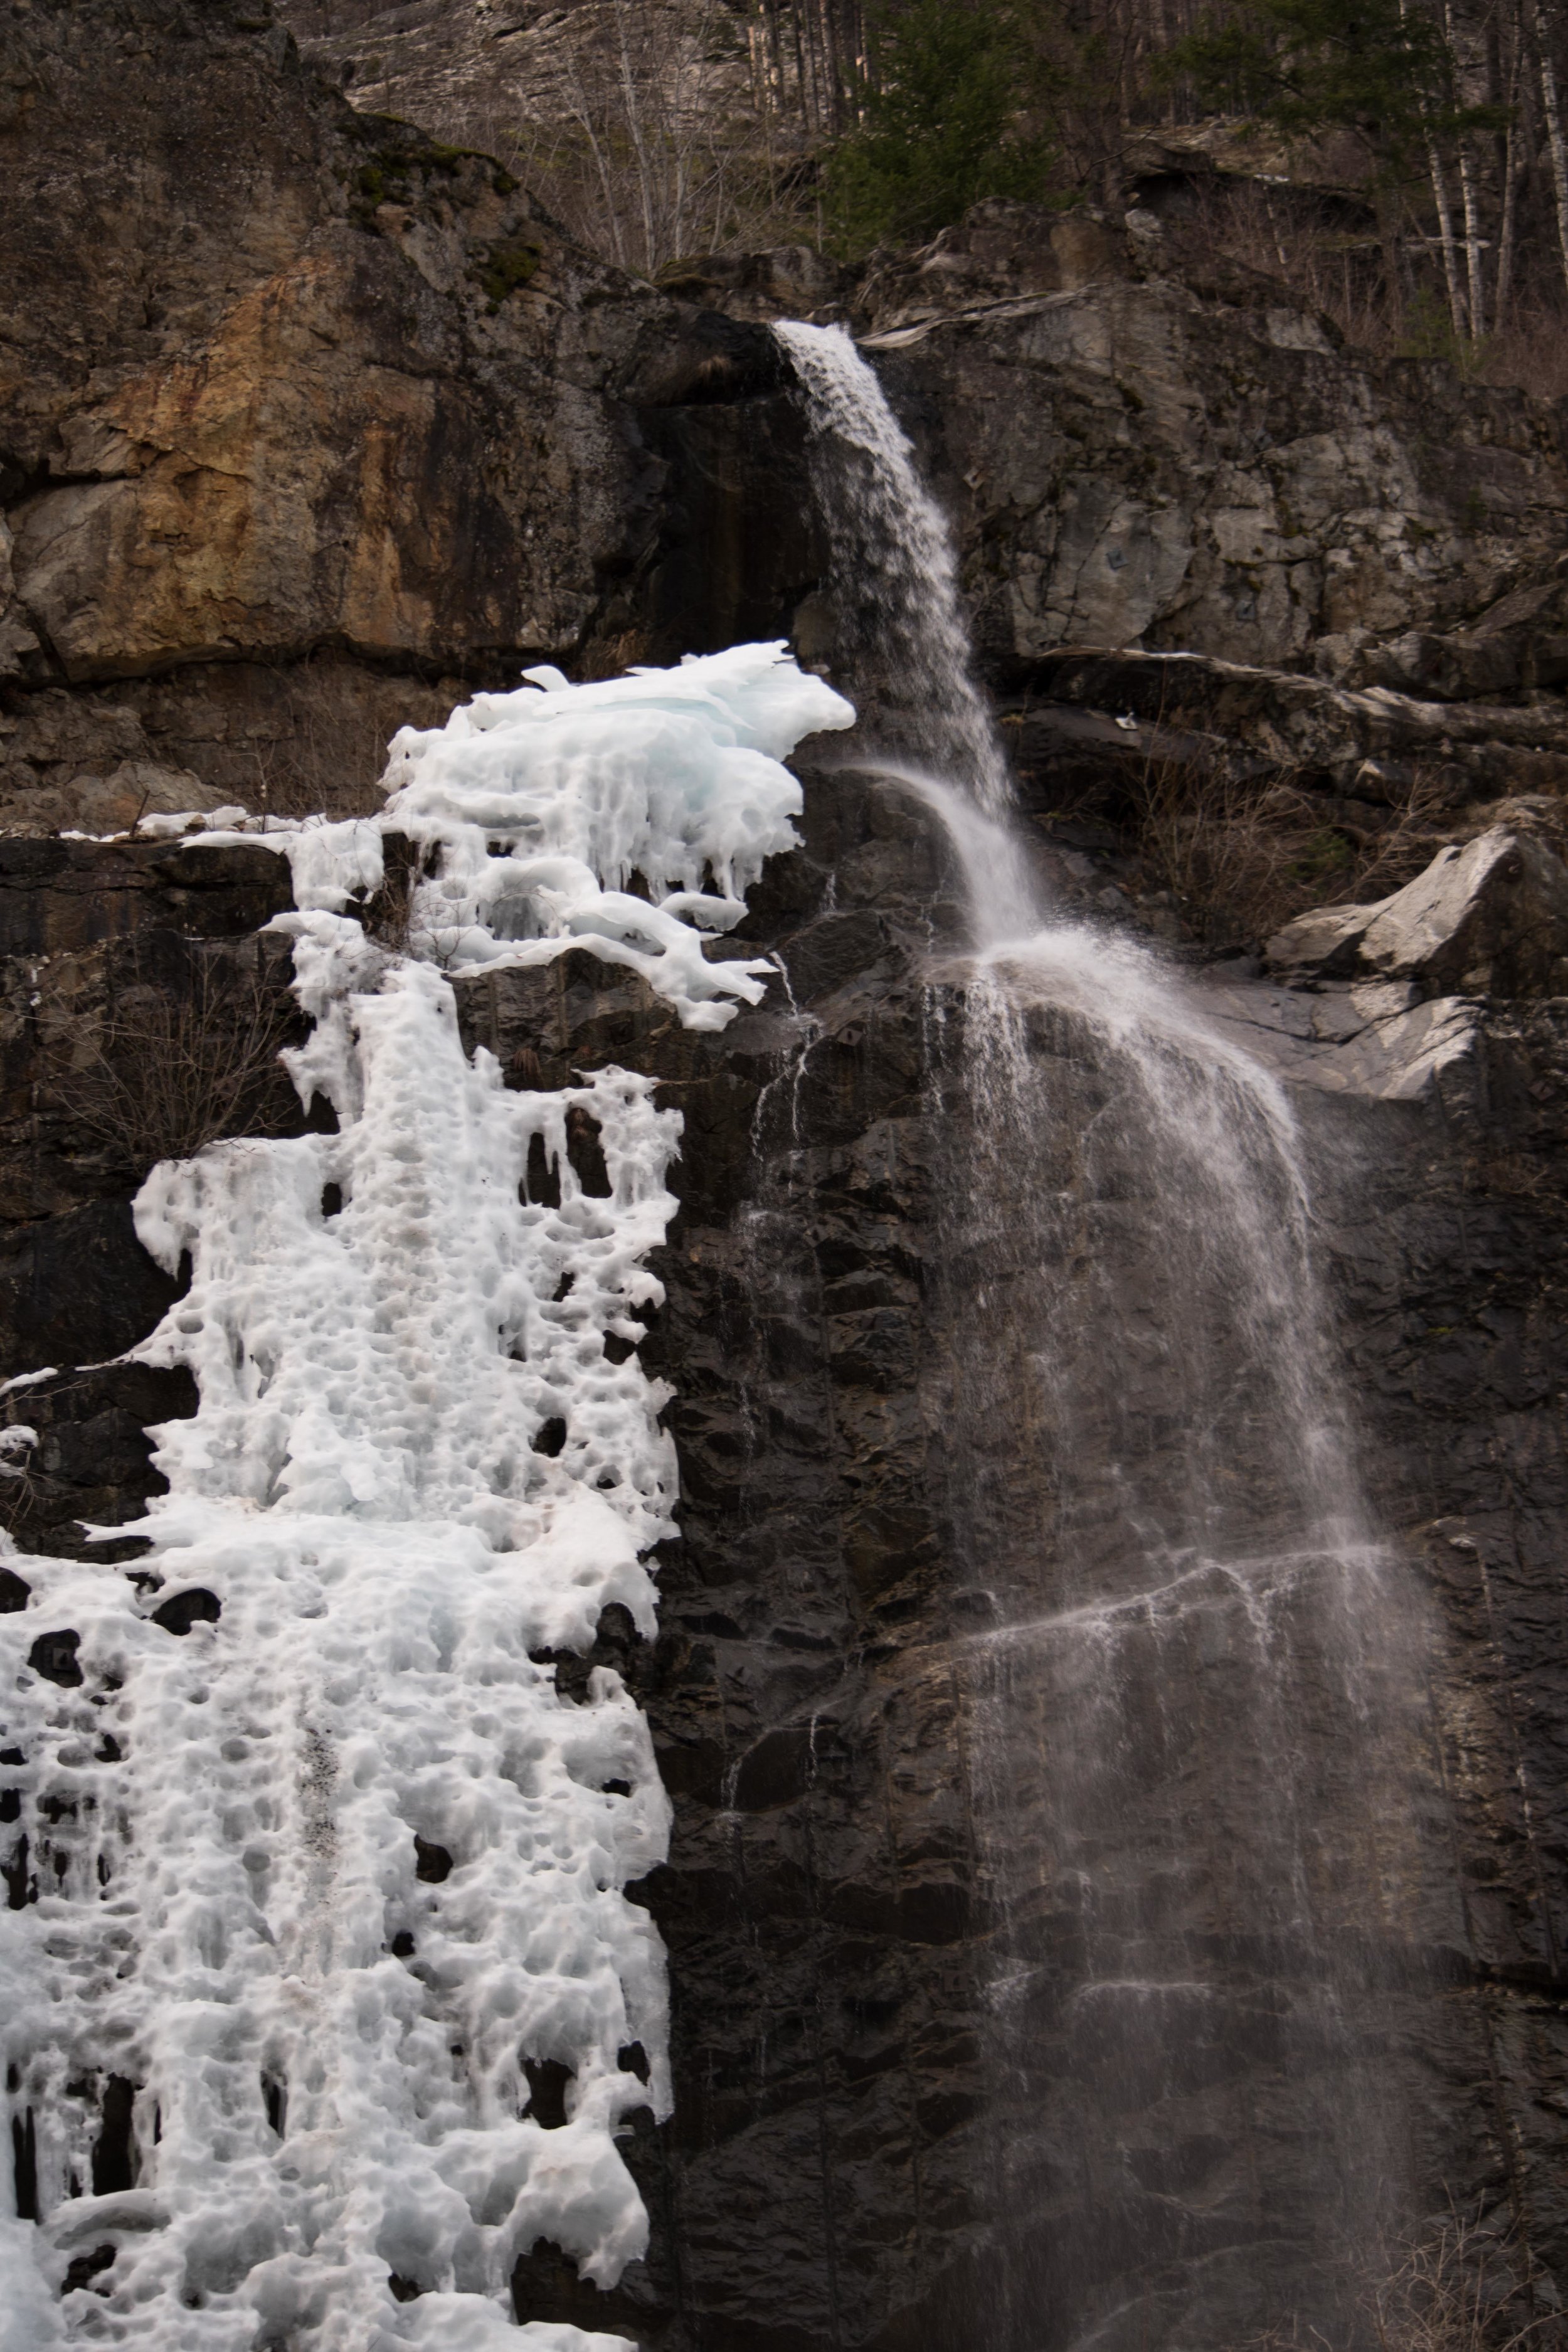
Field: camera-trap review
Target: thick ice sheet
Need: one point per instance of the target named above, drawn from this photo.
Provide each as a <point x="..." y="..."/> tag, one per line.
<point x="316" y="1882"/>
<point x="542" y="805"/>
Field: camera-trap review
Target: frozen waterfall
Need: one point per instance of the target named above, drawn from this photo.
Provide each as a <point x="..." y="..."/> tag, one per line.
<point x="321" y="1995"/>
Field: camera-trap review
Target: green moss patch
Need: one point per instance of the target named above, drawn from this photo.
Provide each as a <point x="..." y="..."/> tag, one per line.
<point x="505" y="267"/>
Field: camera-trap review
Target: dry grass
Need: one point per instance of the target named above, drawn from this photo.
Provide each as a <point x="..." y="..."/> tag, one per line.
<point x="1241" y="855"/>
<point x="1460" y="2287"/>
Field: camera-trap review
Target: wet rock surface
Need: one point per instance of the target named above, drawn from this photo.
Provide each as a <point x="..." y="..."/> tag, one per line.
<point x="291" y="450"/>
<point x="826" y="2178"/>
<point x="827" y="1905"/>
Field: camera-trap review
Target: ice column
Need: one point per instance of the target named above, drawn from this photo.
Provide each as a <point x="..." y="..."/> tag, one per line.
<point x="322" y="1996"/>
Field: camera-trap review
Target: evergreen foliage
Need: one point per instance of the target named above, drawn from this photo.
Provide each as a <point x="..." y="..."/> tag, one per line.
<point x="1377" y="67"/>
<point x="940" y="124"/>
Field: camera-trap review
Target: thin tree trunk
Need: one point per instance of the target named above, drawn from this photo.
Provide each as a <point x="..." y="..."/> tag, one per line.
<point x="583" y="111"/>
<point x="806" y="66"/>
<point x="1474" y="264"/>
<point x="775" y="48"/>
<point x="1274" y="233"/>
<point x="1503" y="289"/>
<point x="1507" y="224"/>
<point x="835" y="76"/>
<point x="1446" y="237"/>
<point x="1472" y="83"/>
<point x="632" y="102"/>
<point x="1553" y="114"/>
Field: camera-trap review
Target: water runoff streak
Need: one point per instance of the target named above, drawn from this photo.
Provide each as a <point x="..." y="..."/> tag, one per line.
<point x="1192" y="1684"/>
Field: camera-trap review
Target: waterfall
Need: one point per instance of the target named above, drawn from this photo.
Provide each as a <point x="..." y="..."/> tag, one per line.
<point x="895" y="581"/>
<point x="1193" y="1686"/>
<point x="324" y="2000"/>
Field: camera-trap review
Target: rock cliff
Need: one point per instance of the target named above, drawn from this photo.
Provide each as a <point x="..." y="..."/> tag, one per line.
<point x="304" y="420"/>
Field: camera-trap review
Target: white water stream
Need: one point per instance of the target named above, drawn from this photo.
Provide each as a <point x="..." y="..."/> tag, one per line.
<point x="895" y="579"/>
<point x="1186" y="1709"/>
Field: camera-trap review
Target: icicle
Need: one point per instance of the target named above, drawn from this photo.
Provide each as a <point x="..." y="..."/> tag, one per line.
<point x="322" y="1993"/>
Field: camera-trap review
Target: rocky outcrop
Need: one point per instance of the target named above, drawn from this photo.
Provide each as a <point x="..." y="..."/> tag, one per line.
<point x="302" y="412"/>
<point x="288" y="450"/>
<point x="253" y="410"/>
<point x="1135" y="460"/>
<point x="470" y="71"/>
<point x="1489" y="918"/>
<point x="292" y="445"/>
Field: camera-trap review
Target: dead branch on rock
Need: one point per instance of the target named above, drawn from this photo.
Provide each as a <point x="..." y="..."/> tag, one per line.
<point x="181" y="1060"/>
<point x="1240" y="854"/>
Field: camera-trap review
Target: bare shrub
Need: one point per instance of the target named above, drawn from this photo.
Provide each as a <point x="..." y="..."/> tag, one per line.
<point x="638" y="130"/>
<point x="1329" y="253"/>
<point x="1240" y="854"/>
<point x="1460" y="2286"/>
<point x="1532" y="352"/>
<point x="327" y="756"/>
<point x="181" y="1059"/>
<point x="1463" y="2288"/>
<point x="1329" y="259"/>
<point x="388" y="917"/>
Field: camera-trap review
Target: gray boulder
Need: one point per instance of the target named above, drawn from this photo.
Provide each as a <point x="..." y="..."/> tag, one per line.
<point x="1489" y="918"/>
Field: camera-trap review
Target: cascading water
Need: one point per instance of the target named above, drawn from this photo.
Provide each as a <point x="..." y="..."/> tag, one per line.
<point x="1194" y="1690"/>
<point x="894" y="579"/>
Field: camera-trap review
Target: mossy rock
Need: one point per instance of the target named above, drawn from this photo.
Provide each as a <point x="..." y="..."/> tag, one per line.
<point x="506" y="267"/>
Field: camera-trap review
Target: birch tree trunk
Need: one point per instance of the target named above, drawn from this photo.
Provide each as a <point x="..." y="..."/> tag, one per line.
<point x="1474" y="262"/>
<point x="1553" y="114"/>
<point x="1474" y="81"/>
<point x="1446" y="237"/>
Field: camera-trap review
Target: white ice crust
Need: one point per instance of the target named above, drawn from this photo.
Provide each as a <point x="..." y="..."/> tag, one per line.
<point x="320" y="1879"/>
<point x="535" y="811"/>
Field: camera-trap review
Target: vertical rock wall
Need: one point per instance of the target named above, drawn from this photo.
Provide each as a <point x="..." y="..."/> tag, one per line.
<point x="291" y="443"/>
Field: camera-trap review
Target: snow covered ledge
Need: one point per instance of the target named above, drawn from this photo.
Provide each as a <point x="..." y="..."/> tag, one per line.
<point x="324" y="1869"/>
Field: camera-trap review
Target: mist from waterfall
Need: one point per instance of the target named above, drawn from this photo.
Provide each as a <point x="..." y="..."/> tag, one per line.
<point x="1194" y="1688"/>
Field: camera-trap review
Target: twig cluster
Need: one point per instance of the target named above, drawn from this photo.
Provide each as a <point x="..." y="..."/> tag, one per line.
<point x="177" y="1064"/>
<point x="1241" y="855"/>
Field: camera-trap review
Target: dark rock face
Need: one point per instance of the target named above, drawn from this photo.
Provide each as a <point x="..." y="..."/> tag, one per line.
<point x="1447" y="1251"/>
<point x="818" y="2181"/>
<point x="830" y="1902"/>
<point x="302" y="412"/>
<point x="830" y="1906"/>
<point x="91" y="935"/>
<point x="292" y="448"/>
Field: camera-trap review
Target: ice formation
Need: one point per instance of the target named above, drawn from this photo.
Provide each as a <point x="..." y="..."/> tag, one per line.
<point x="537" y="808"/>
<point x="316" y="1868"/>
